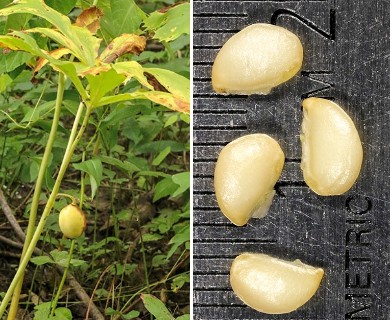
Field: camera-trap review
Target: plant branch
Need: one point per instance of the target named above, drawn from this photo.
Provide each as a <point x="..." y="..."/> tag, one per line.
<point x="38" y="188"/>
<point x="50" y="203"/>
<point x="64" y="274"/>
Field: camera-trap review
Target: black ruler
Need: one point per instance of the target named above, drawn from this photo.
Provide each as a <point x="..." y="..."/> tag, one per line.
<point x="347" y="59"/>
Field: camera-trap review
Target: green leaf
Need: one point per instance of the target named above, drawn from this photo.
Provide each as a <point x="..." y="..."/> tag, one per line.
<point x="63" y="314"/>
<point x="158" y="146"/>
<point x="12" y="60"/>
<point x="185" y="117"/>
<point x="17" y="21"/>
<point x="171" y="24"/>
<point x="94" y="168"/>
<point x="153" y="174"/>
<point x="41" y="260"/>
<point x="77" y="262"/>
<point x="156" y="307"/>
<point x="183" y="180"/>
<point x="127" y="166"/>
<point x="34" y="114"/>
<point x="69" y="69"/>
<point x="171" y="120"/>
<point x="162" y="155"/>
<point x="164" y="188"/>
<point x="131" y="315"/>
<point x="184" y="317"/>
<point x="34" y="170"/>
<point x="132" y="69"/>
<point x="179" y="281"/>
<point x="5" y="81"/>
<point x="165" y="221"/>
<point x="61" y="6"/>
<point x="177" y="240"/>
<point x="148" y="237"/>
<point x="60" y="257"/>
<point x="121" y="16"/>
<point x="103" y="83"/>
<point x="111" y="312"/>
<point x="42" y="311"/>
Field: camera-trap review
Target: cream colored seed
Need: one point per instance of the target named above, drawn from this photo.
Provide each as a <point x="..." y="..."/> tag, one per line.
<point x="245" y="174"/>
<point x="332" y="152"/>
<point x="272" y="285"/>
<point x="256" y="59"/>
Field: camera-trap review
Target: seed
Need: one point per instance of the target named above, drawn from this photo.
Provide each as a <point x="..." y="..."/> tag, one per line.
<point x="256" y="59"/>
<point x="72" y="221"/>
<point x="332" y="152"/>
<point x="271" y="285"/>
<point x="245" y="174"/>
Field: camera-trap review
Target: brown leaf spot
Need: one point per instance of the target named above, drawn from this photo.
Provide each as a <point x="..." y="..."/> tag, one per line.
<point x="6" y="50"/>
<point x="182" y="106"/>
<point x="90" y="19"/>
<point x="126" y="43"/>
<point x="96" y="70"/>
<point x="154" y="82"/>
<point x="166" y="9"/>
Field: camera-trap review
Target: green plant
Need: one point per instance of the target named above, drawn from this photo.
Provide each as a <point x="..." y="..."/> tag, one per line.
<point x="92" y="69"/>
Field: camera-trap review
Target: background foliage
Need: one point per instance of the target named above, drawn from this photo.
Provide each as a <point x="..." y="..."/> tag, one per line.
<point x="130" y="170"/>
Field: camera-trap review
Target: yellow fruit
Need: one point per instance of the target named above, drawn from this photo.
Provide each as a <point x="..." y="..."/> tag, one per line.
<point x="72" y="221"/>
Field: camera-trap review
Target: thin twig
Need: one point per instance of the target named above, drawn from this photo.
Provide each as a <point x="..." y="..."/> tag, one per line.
<point x="18" y="245"/>
<point x="10" y="217"/>
<point x="11" y="242"/>
<point x="94" y="290"/>
<point x="10" y="254"/>
<point x="152" y="287"/>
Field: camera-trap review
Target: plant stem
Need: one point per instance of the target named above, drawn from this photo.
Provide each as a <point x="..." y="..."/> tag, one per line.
<point x="37" y="191"/>
<point x="82" y="184"/>
<point x="144" y="261"/>
<point x="54" y="305"/>
<point x="72" y="143"/>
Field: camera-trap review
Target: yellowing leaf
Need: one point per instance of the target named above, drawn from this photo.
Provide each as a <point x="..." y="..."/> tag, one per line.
<point x="168" y="100"/>
<point x="82" y="43"/>
<point x="95" y="70"/>
<point x="90" y="19"/>
<point x="19" y="41"/>
<point x="126" y="43"/>
<point x="85" y="52"/>
<point x="132" y="69"/>
<point x="164" y="98"/>
<point x="56" y="54"/>
<point x="24" y="42"/>
<point x="176" y="84"/>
